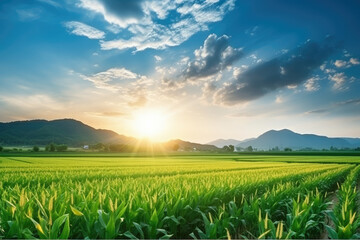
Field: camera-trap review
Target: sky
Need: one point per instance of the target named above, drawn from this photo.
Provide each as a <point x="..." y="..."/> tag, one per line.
<point x="194" y="70"/>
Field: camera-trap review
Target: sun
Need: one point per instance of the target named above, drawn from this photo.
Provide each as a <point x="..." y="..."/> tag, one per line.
<point x="149" y="123"/>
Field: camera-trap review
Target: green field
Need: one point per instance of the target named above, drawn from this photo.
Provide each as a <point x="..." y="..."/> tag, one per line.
<point x="178" y="196"/>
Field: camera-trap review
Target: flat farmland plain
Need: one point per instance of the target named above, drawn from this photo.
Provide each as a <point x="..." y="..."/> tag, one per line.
<point x="180" y="196"/>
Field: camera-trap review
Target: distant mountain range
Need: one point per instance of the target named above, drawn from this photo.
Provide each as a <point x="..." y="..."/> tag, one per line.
<point x="287" y="138"/>
<point x="74" y="133"/>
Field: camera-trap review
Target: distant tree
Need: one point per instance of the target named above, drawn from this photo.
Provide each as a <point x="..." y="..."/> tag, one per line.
<point x="98" y="146"/>
<point x="287" y="149"/>
<point x="1" y="148"/>
<point x="231" y="148"/>
<point x="332" y="148"/>
<point x="356" y="149"/>
<point x="275" y="149"/>
<point x="226" y="148"/>
<point x="249" y="149"/>
<point x="36" y="149"/>
<point x="61" y="148"/>
<point x="50" y="147"/>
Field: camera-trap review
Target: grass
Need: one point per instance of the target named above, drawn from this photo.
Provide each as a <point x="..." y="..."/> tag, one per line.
<point x="178" y="196"/>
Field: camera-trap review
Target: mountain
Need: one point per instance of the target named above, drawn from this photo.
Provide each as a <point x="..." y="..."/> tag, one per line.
<point x="286" y="138"/>
<point x="225" y="142"/>
<point x="63" y="131"/>
<point x="75" y="133"/>
<point x="353" y="141"/>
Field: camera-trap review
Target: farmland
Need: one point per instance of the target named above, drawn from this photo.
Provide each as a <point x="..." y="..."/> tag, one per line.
<point x="180" y="196"/>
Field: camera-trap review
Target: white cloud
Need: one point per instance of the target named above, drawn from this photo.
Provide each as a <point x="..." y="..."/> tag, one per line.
<point x="339" y="80"/>
<point x="141" y="19"/>
<point x="82" y="29"/>
<point x="311" y="84"/>
<point x="354" y="61"/>
<point x="157" y="58"/>
<point x="132" y="87"/>
<point x="347" y="64"/>
<point x="112" y="79"/>
<point x="340" y="63"/>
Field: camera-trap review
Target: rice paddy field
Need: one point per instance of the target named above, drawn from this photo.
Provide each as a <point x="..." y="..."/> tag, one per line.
<point x="180" y="196"/>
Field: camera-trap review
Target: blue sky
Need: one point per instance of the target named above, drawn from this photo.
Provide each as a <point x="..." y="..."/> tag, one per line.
<point x="212" y="69"/>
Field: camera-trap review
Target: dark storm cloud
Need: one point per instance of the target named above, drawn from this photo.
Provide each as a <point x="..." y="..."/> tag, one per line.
<point x="124" y="8"/>
<point x="292" y="68"/>
<point x="215" y="55"/>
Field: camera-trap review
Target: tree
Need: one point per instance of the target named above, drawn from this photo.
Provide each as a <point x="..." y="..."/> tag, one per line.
<point x="226" y="148"/>
<point x="287" y="149"/>
<point x="50" y="147"/>
<point x="249" y="149"/>
<point x="231" y="148"/>
<point x="36" y="149"/>
<point x="61" y="148"/>
<point x="1" y="148"/>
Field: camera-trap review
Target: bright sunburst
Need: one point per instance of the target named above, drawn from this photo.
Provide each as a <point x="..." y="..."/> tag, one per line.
<point x="149" y="123"/>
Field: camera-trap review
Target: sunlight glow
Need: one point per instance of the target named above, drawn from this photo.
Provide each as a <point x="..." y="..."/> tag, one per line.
<point x="149" y="123"/>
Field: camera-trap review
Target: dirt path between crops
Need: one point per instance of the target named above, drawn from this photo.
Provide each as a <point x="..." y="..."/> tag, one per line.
<point x="334" y="200"/>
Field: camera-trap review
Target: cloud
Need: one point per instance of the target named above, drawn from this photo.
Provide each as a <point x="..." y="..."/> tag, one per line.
<point x="311" y="84"/>
<point x="29" y="14"/>
<point x="51" y="2"/>
<point x="340" y="63"/>
<point x="347" y="64"/>
<point x="131" y="86"/>
<point x="215" y="55"/>
<point x="111" y="79"/>
<point x="339" y="80"/>
<point x="157" y="58"/>
<point x="337" y="106"/>
<point x="144" y="20"/>
<point x="354" y="61"/>
<point x="82" y="29"/>
<point x="292" y="68"/>
<point x="120" y="12"/>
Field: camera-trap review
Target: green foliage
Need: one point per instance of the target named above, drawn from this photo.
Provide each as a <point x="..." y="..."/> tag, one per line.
<point x="35" y="149"/>
<point x="61" y="148"/>
<point x="184" y="197"/>
<point x="344" y="215"/>
<point x="249" y="149"/>
<point x="1" y="148"/>
<point x="229" y="148"/>
<point x="50" y="147"/>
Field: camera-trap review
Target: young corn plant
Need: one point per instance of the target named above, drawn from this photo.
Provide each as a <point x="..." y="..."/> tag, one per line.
<point x="344" y="216"/>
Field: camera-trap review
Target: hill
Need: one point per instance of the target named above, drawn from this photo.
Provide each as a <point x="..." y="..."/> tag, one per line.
<point x="287" y="138"/>
<point x="62" y="131"/>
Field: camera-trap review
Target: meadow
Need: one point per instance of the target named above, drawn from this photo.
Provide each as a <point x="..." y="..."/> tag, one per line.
<point x="196" y="196"/>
